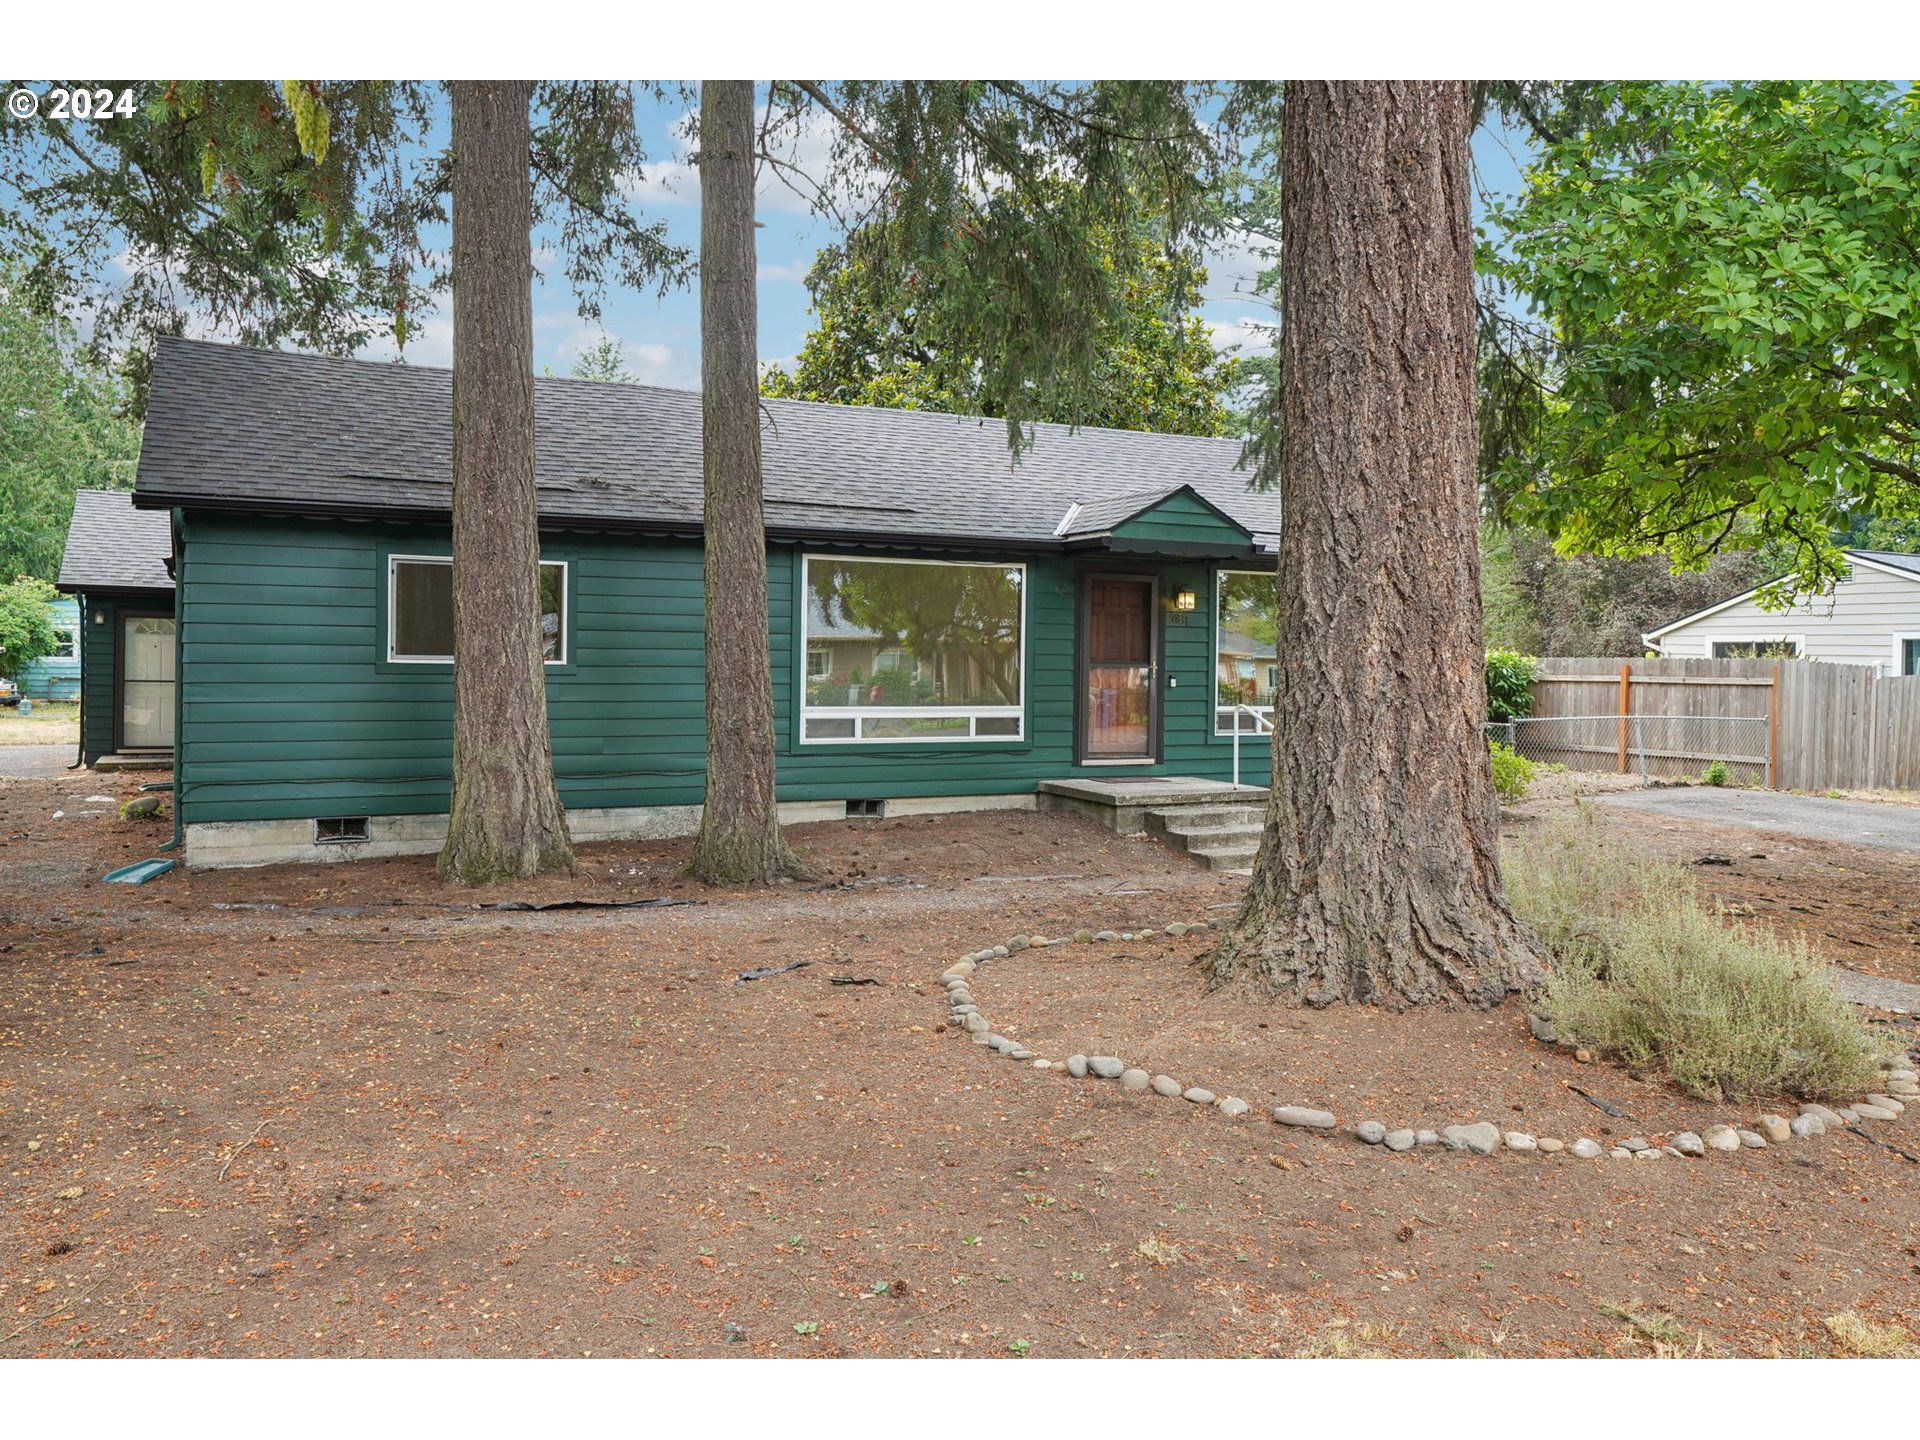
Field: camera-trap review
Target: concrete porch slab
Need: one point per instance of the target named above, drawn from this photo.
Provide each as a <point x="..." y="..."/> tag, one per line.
<point x="108" y="763"/>
<point x="1122" y="803"/>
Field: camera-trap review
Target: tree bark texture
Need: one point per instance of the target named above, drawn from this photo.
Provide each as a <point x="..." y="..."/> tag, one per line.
<point x="739" y="840"/>
<point x="506" y="819"/>
<point x="1378" y="876"/>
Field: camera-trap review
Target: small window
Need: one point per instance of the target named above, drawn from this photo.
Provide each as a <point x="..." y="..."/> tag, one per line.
<point x="420" y="610"/>
<point x="341" y="830"/>
<point x="62" y="644"/>
<point x="819" y="663"/>
<point x="1779" y="649"/>
<point x="1910" y="655"/>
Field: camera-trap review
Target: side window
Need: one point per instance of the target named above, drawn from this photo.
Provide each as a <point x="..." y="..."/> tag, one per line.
<point x="420" y="610"/>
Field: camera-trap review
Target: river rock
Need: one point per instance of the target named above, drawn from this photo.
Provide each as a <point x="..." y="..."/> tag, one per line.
<point x="1000" y="1043"/>
<point x="1752" y="1140"/>
<point x="1077" y="1066"/>
<point x="1801" y="1126"/>
<point x="1426" y="1137"/>
<point x="1020" y="1052"/>
<point x="1166" y="1085"/>
<point x="1887" y="1102"/>
<point x="1107" y="1067"/>
<point x="976" y="1023"/>
<point x="1873" y="1112"/>
<point x="1482" y="1137"/>
<point x="1521" y="1141"/>
<point x="1371" y="1131"/>
<point x="1176" y="928"/>
<point x="979" y="1037"/>
<point x="1647" y="1154"/>
<point x="1831" y="1118"/>
<point x="1134" y="1079"/>
<point x="1688" y="1143"/>
<point x="1083" y="936"/>
<point x="1107" y="937"/>
<point x="1635" y="1143"/>
<point x="1300" y="1115"/>
<point x="1232" y="1105"/>
<point x="1199" y="1096"/>
<point x="1721" y="1137"/>
<point x="1399" y="1140"/>
<point x="1587" y="1149"/>
<point x="1774" y="1127"/>
<point x="1551" y="1146"/>
<point x="1620" y="1152"/>
<point x="1543" y="1030"/>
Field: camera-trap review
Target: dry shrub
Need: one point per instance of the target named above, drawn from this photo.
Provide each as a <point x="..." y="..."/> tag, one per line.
<point x="1647" y="973"/>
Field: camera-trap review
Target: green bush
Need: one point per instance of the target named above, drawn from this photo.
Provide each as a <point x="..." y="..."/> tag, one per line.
<point x="1512" y="772"/>
<point x="1716" y="773"/>
<point x="1647" y="973"/>
<point x="1510" y="677"/>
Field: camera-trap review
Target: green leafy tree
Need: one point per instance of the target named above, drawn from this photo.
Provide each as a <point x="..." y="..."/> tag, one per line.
<point x="26" y="629"/>
<point x="1726" y="280"/>
<point x="909" y="350"/>
<point x="605" y="360"/>
<point x="63" y="427"/>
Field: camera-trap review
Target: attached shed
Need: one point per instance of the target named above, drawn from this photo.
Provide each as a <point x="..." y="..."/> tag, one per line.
<point x="118" y="566"/>
<point x="1870" y="618"/>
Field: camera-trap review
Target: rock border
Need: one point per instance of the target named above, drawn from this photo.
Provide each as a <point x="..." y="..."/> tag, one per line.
<point x="1900" y="1080"/>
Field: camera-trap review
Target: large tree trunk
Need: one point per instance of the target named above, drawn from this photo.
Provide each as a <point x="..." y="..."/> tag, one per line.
<point x="740" y="841"/>
<point x="1378" y="876"/>
<point x="506" y="818"/>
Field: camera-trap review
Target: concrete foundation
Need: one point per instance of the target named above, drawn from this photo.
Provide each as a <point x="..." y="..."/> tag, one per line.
<point x="1124" y="804"/>
<point x="233" y="843"/>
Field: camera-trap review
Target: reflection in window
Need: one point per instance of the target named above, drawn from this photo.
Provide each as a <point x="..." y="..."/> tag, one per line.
<point x="911" y="650"/>
<point x="420" y="609"/>
<point x="1245" y="661"/>
<point x="1756" y="649"/>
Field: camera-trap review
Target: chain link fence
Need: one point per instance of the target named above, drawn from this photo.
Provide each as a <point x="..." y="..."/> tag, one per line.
<point x="1656" y="747"/>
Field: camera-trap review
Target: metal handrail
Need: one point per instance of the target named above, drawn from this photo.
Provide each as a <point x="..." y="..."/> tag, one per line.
<point x="1261" y="725"/>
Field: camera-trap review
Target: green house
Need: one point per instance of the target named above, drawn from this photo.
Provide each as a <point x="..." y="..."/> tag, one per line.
<point x="117" y="567"/>
<point x="949" y="629"/>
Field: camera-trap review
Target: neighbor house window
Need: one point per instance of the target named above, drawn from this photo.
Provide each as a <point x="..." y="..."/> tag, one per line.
<point x="908" y="650"/>
<point x="1910" y="654"/>
<point x="420" y="610"/>
<point x="1246" y="629"/>
<point x="62" y="645"/>
<point x="1782" y="648"/>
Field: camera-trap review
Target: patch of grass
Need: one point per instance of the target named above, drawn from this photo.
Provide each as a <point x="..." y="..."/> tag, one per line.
<point x="51" y="722"/>
<point x="1160" y="1252"/>
<point x="1667" y="1336"/>
<point x="1650" y="975"/>
<point x="1343" y="1340"/>
<point x="1854" y="1335"/>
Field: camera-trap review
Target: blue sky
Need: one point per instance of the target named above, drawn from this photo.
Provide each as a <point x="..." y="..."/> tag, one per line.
<point x="661" y="335"/>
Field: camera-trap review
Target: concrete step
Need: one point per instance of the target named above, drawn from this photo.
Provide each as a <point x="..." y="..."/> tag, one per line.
<point x="1221" y="836"/>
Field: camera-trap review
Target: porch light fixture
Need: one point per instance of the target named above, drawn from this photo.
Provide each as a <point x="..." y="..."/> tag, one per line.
<point x="1185" y="600"/>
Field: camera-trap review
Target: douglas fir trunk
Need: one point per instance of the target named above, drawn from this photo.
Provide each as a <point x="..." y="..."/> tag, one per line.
<point x="740" y="841"/>
<point x="1378" y="876"/>
<point x="506" y="819"/>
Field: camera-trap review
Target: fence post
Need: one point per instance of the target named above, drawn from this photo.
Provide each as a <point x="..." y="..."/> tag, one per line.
<point x="1773" y="729"/>
<point x="1626" y="682"/>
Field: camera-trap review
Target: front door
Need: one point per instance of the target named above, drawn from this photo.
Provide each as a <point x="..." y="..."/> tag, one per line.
<point x="1118" y="703"/>
<point x="146" y="682"/>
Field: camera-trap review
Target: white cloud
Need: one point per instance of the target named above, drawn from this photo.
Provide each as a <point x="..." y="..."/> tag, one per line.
<point x="1234" y="262"/>
<point x="1252" y="334"/>
<point x="793" y="272"/>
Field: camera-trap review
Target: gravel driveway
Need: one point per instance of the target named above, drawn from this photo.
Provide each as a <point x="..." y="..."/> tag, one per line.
<point x="32" y="761"/>
<point x="1853" y="822"/>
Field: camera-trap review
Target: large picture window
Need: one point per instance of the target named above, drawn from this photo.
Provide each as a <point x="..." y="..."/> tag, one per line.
<point x="1245" y="650"/>
<point x="908" y="650"/>
<point x="420" y="610"/>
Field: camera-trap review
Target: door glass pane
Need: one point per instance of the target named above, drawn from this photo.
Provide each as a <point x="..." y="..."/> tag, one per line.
<point x="146" y="677"/>
<point x="1119" y="700"/>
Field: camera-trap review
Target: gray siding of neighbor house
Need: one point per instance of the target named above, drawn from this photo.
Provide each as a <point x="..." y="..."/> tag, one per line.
<point x="1855" y="625"/>
<point x="291" y="709"/>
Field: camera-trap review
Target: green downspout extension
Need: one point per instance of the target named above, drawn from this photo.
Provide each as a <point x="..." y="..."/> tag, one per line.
<point x="179" y="672"/>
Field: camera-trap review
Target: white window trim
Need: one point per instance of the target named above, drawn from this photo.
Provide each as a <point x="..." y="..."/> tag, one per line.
<point x="1900" y="637"/>
<point x="69" y="649"/>
<point x="396" y="559"/>
<point x="1213" y="663"/>
<point x="859" y="714"/>
<point x="1799" y="643"/>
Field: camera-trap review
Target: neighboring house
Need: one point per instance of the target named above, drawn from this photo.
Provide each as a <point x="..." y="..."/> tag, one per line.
<point x="1248" y="670"/>
<point x="1870" y="618"/>
<point x="1011" y="623"/>
<point x="57" y="676"/>
<point x="116" y="565"/>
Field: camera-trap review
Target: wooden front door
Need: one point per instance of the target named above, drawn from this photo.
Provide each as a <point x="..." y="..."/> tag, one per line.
<point x="1118" y="702"/>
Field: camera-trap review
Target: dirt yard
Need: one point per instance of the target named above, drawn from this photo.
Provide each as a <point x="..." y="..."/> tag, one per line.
<point x="339" y="1111"/>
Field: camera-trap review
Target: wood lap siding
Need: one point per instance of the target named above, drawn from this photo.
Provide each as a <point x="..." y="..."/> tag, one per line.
<point x="292" y="710"/>
<point x="1181" y="519"/>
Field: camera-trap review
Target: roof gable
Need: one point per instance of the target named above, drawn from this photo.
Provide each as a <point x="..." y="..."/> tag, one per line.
<point x="1907" y="567"/>
<point x="1174" y="520"/>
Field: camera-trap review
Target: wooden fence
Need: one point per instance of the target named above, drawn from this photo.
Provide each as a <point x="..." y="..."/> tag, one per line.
<point x="1804" y="724"/>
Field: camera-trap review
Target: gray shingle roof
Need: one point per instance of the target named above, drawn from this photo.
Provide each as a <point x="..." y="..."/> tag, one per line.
<point x="1893" y="559"/>
<point x="234" y="428"/>
<point x="112" y="546"/>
